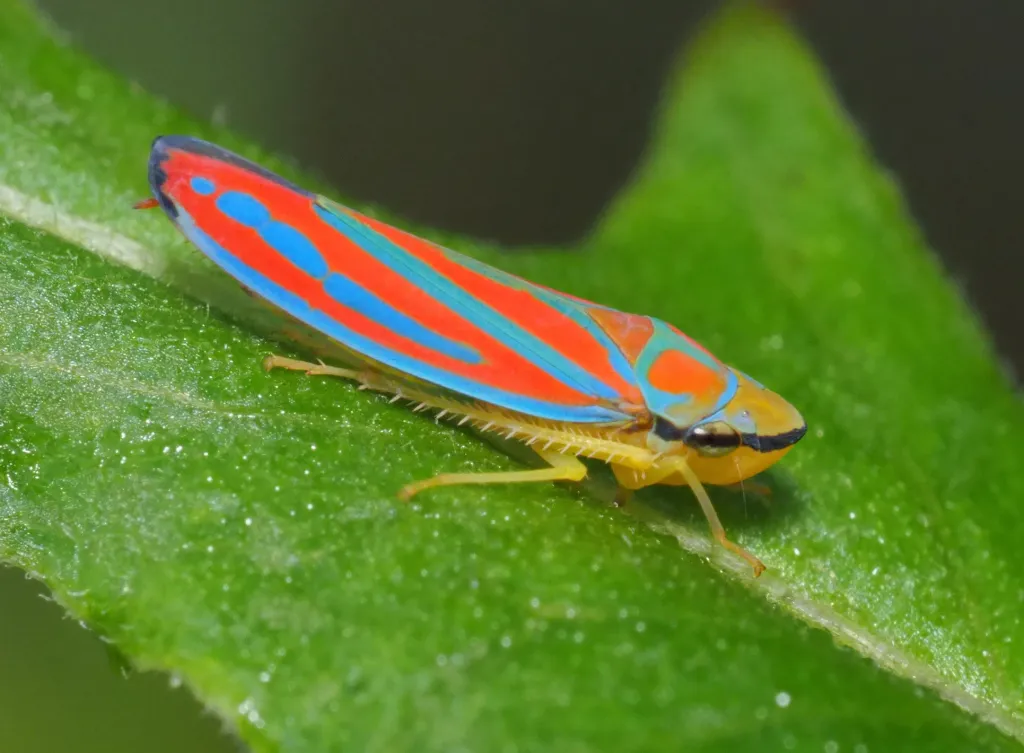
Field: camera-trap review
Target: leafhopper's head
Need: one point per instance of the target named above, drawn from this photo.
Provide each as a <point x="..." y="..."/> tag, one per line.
<point x="746" y="435"/>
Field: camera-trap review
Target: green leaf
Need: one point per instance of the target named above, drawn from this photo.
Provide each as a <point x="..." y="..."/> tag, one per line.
<point x="240" y="530"/>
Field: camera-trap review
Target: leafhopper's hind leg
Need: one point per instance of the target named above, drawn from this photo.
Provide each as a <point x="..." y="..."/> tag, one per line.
<point x="367" y="379"/>
<point x="313" y="369"/>
<point x="562" y="468"/>
<point x="717" y="530"/>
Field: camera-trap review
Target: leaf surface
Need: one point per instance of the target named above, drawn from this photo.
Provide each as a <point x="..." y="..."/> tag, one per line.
<point x="240" y="529"/>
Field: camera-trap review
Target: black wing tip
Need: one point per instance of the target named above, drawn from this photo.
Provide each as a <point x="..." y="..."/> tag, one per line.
<point x="192" y="145"/>
<point x="157" y="174"/>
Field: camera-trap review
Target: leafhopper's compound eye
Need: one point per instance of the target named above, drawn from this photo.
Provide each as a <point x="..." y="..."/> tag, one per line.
<point x="713" y="439"/>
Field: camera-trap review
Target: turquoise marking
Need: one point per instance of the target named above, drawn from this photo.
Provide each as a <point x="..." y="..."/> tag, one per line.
<point x="569" y="308"/>
<point x="243" y="209"/>
<point x="468" y="307"/>
<point x="661" y="402"/>
<point x="358" y="298"/>
<point x="282" y="237"/>
<point x="202" y="186"/>
<point x="741" y="420"/>
<point x="296" y="247"/>
<point x="297" y="307"/>
<point x="743" y="424"/>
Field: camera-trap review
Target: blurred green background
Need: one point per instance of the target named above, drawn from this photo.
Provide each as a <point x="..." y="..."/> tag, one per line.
<point x="515" y="121"/>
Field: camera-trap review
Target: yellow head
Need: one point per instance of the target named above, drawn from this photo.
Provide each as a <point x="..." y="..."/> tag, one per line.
<point x="746" y="436"/>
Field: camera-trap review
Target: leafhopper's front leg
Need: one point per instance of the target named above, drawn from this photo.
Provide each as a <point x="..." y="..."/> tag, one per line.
<point x="717" y="530"/>
<point x="562" y="468"/>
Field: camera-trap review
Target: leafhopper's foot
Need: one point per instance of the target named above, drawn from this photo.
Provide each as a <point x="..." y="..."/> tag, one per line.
<point x="759" y="567"/>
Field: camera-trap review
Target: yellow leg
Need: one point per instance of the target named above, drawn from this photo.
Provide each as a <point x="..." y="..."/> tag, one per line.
<point x="313" y="369"/>
<point x="563" y="468"/>
<point x="717" y="530"/>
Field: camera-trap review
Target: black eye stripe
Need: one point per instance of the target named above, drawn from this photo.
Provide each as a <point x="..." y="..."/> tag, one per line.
<point x="760" y="442"/>
<point x="773" y="442"/>
<point x="667" y="431"/>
